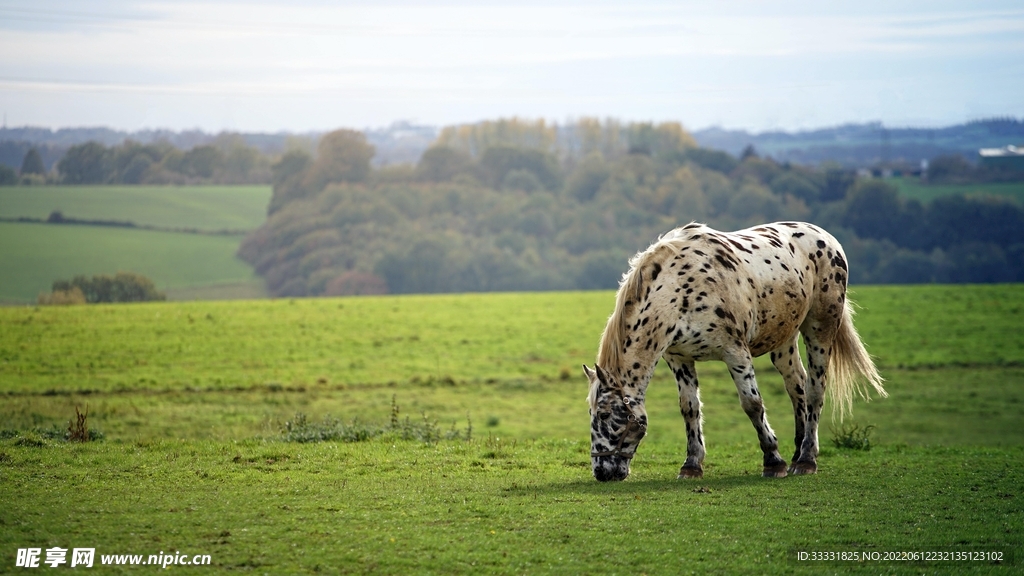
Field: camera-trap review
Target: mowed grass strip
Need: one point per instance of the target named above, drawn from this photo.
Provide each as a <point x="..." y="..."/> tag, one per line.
<point x="505" y="507"/>
<point x="437" y="338"/>
<point x="32" y="256"/>
<point x="208" y="208"/>
<point x="226" y="345"/>
<point x="949" y="406"/>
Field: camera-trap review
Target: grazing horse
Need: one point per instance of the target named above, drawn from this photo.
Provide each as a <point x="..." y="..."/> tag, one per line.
<point x="698" y="294"/>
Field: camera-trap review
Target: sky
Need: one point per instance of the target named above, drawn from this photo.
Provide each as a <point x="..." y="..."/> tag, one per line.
<point x="307" y="65"/>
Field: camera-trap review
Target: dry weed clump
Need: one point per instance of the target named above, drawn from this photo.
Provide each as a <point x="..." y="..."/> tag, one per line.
<point x="78" y="428"/>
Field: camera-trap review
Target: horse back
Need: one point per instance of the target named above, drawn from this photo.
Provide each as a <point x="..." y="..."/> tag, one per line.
<point x="754" y="288"/>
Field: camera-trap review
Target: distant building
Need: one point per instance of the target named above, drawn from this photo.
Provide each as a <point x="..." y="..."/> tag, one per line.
<point x="1010" y="157"/>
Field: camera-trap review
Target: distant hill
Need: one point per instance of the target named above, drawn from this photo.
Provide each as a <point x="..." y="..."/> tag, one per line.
<point x="401" y="142"/>
<point x="851" y="145"/>
<point x="862" y="145"/>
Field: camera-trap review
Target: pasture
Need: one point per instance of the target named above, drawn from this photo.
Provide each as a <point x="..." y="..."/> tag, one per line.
<point x="208" y="208"/>
<point x="192" y="398"/>
<point x="911" y="187"/>
<point x="34" y="255"/>
<point x="186" y="265"/>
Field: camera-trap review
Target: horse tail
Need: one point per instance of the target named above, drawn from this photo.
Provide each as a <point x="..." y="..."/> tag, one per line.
<point x="850" y="369"/>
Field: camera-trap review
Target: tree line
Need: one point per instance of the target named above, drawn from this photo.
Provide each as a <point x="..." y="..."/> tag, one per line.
<point x="514" y="205"/>
<point x="227" y="160"/>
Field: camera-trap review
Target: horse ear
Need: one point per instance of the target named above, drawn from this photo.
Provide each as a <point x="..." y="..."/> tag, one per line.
<point x="591" y="375"/>
<point x="602" y="375"/>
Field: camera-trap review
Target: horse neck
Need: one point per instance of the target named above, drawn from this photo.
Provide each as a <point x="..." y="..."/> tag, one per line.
<point x="635" y="379"/>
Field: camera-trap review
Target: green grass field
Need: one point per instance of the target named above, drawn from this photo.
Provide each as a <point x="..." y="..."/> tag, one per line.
<point x="201" y="207"/>
<point x="186" y="266"/>
<point x="34" y="255"/>
<point x="192" y="397"/>
<point x="911" y="187"/>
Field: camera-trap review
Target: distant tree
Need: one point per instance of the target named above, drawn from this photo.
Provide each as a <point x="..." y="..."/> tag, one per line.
<point x="201" y="161"/>
<point x="977" y="262"/>
<point x="873" y="209"/>
<point x="907" y="267"/>
<point x="290" y="165"/>
<point x="342" y="156"/>
<point x="956" y="219"/>
<point x="8" y="177"/>
<point x="475" y="139"/>
<point x="588" y="177"/>
<point x="135" y="171"/>
<point x="601" y="270"/>
<point x="796" y="185"/>
<point x="33" y="163"/>
<point x="764" y="170"/>
<point x="443" y="164"/>
<point x="838" y="181"/>
<point x="426" y="268"/>
<point x="496" y="162"/>
<point x="521" y="179"/>
<point x="748" y="152"/>
<point x="87" y="163"/>
<point x="712" y="159"/>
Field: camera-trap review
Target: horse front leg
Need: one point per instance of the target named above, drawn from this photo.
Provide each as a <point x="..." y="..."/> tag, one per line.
<point x="689" y="407"/>
<point x="741" y="367"/>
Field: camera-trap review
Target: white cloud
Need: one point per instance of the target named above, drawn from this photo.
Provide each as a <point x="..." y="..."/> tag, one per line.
<point x="552" y="60"/>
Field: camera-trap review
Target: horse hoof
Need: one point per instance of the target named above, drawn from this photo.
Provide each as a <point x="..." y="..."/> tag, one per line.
<point x="777" y="471"/>
<point x="686" y="472"/>
<point x="798" y="468"/>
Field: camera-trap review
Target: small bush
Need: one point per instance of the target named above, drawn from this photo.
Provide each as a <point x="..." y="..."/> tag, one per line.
<point x="70" y="297"/>
<point x="853" y="437"/>
<point x="122" y="287"/>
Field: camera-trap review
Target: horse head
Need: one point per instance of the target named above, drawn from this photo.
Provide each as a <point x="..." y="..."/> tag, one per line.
<point x="618" y="422"/>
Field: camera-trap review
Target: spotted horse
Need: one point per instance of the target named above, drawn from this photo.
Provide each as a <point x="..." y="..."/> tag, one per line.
<point x="698" y="294"/>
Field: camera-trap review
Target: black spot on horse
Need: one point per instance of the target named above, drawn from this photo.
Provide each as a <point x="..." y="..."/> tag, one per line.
<point x="655" y="271"/>
<point x="821" y="243"/>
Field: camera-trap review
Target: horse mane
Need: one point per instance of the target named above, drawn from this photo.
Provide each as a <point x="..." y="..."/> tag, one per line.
<point x="609" y="352"/>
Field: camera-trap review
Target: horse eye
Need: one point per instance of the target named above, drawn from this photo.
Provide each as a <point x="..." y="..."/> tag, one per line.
<point x="604" y="415"/>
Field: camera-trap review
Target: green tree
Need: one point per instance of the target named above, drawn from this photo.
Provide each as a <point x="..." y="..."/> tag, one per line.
<point x="588" y="177"/>
<point x="712" y="159"/>
<point x="290" y="165"/>
<point x="88" y="163"/>
<point x="33" y="163"/>
<point x="342" y="156"/>
<point x="498" y="161"/>
<point x="201" y="161"/>
<point x="873" y="209"/>
<point x="796" y="185"/>
<point x="443" y="164"/>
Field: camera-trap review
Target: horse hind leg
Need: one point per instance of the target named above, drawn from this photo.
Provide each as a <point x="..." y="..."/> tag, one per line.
<point x="818" y="340"/>
<point x="689" y="407"/>
<point x="742" y="369"/>
<point x="786" y="359"/>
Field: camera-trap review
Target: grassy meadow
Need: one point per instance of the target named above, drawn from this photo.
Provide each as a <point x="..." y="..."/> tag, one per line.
<point x="911" y="187"/>
<point x="186" y="265"/>
<point x="34" y="255"/>
<point x="192" y="398"/>
<point x="209" y="208"/>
